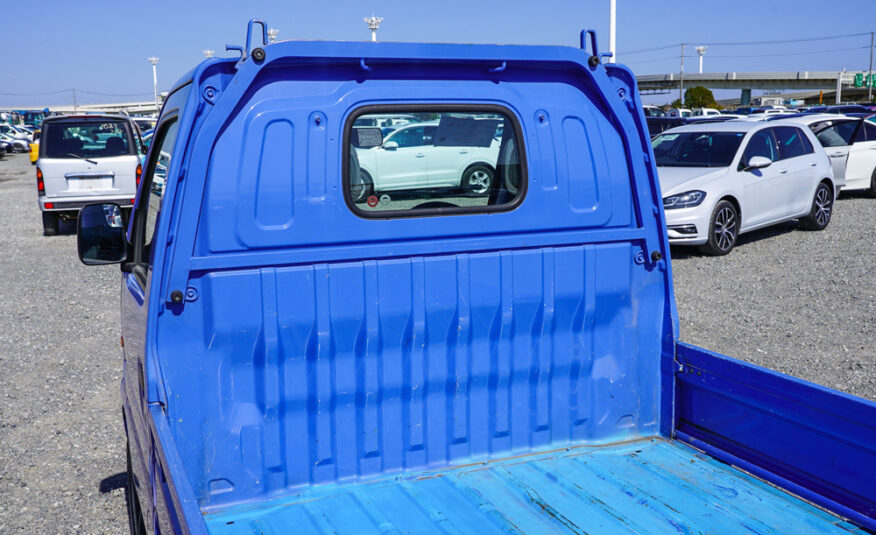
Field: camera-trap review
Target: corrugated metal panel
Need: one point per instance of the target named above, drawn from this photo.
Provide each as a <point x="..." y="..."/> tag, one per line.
<point x="648" y="486"/>
<point x="328" y="372"/>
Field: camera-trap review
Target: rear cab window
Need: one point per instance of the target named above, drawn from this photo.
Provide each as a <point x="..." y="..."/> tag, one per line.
<point x="87" y="139"/>
<point x="406" y="162"/>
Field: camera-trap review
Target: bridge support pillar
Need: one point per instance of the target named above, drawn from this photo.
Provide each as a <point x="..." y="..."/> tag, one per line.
<point x="745" y="99"/>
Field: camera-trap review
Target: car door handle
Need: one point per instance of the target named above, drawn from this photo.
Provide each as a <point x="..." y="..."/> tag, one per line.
<point x="420" y="155"/>
<point x="466" y="152"/>
<point x="783" y="171"/>
<point x="813" y="164"/>
<point x="837" y="155"/>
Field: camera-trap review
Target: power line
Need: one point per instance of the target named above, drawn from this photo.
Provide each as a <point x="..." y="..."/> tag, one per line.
<point x="809" y="53"/>
<point x="746" y="43"/>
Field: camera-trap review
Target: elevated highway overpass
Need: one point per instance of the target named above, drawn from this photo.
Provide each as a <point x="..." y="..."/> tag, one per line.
<point x="746" y="81"/>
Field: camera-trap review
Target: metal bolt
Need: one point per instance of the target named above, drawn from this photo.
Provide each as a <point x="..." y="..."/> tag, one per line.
<point x="655" y="256"/>
<point x="541" y="117"/>
<point x="317" y="120"/>
<point x="176" y="297"/>
<point x="258" y="55"/>
<point x="621" y="92"/>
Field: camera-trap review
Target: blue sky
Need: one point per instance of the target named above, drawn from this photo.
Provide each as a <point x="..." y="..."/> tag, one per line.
<point x="102" y="46"/>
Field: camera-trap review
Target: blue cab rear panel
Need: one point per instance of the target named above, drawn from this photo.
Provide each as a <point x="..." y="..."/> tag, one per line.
<point x="345" y="375"/>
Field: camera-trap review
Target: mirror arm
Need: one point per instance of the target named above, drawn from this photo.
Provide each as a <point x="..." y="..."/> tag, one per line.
<point x="127" y="267"/>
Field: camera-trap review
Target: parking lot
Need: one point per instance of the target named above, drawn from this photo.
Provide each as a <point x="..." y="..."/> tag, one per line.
<point x="803" y="303"/>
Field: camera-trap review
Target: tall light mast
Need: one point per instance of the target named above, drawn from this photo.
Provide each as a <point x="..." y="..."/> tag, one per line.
<point x="154" y="61"/>
<point x="612" y="22"/>
<point x="701" y="51"/>
<point x="373" y="25"/>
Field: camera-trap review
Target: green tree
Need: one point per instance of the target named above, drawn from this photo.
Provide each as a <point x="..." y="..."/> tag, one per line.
<point x="676" y="103"/>
<point x="699" y="97"/>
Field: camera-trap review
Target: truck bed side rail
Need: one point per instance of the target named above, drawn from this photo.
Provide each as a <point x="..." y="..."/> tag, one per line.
<point x="807" y="439"/>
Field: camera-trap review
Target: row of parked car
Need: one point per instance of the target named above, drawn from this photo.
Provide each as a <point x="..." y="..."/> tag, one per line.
<point x="722" y="179"/>
<point x="15" y="137"/>
<point x="718" y="179"/>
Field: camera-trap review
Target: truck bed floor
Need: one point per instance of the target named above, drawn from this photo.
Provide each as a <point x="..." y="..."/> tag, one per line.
<point x="645" y="486"/>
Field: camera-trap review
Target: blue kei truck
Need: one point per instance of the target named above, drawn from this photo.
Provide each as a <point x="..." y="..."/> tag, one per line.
<point x="425" y="288"/>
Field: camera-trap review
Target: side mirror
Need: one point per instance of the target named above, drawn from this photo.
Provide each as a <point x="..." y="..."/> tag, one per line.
<point x="390" y="145"/>
<point x="757" y="162"/>
<point x="100" y="235"/>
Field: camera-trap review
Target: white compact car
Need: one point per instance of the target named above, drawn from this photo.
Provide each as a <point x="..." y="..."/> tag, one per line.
<point x="410" y="153"/>
<point x="850" y="143"/>
<point x="719" y="180"/>
<point x="86" y="159"/>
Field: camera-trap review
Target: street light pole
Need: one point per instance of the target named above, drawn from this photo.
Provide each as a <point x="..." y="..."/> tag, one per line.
<point x="701" y="51"/>
<point x="612" y="21"/>
<point x="373" y="25"/>
<point x="154" y="61"/>
<point x="870" y="85"/>
<point x="681" y="79"/>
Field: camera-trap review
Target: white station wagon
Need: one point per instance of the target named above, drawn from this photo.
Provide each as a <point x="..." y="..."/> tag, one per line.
<point x="417" y="150"/>
<point x="720" y="180"/>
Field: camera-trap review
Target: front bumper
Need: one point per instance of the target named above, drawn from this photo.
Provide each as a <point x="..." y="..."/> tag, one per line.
<point x="688" y="226"/>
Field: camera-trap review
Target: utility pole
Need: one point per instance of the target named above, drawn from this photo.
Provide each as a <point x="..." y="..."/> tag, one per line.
<point x="74" y="101"/>
<point x="612" y="22"/>
<point x="870" y="85"/>
<point x="154" y="61"/>
<point x="681" y="79"/>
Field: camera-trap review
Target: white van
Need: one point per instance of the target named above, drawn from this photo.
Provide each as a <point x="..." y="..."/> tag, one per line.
<point x="86" y="159"/>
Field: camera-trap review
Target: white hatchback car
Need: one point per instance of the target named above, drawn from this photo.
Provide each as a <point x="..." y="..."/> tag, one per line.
<point x="850" y="143"/>
<point x="722" y="179"/>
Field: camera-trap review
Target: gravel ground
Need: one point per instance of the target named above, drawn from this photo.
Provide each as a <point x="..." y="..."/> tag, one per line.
<point x="803" y="303"/>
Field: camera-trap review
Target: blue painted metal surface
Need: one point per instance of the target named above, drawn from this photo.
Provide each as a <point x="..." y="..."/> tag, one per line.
<point x="327" y="355"/>
<point x="648" y="486"/>
<point x="814" y="441"/>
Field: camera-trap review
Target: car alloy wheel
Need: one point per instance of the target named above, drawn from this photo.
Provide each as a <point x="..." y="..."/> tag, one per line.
<point x="477" y="179"/>
<point x="725" y="228"/>
<point x="823" y="205"/>
<point x="822" y="209"/>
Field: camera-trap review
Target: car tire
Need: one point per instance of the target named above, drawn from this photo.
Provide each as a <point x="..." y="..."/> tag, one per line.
<point x="822" y="208"/>
<point x="871" y="191"/>
<point x="362" y="190"/>
<point x="723" y="230"/>
<point x="135" y="515"/>
<point x="50" y="224"/>
<point x="477" y="179"/>
<point x="19" y="149"/>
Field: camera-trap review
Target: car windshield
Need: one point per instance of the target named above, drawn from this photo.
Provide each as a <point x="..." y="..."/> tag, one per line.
<point x="696" y="149"/>
<point x="86" y="139"/>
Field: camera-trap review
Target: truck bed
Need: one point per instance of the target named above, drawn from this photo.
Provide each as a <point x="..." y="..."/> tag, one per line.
<point x="644" y="486"/>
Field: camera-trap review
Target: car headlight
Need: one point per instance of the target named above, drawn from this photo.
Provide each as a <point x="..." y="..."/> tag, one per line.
<point x="684" y="200"/>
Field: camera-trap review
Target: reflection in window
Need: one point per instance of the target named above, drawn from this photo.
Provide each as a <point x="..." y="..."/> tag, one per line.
<point x="432" y="160"/>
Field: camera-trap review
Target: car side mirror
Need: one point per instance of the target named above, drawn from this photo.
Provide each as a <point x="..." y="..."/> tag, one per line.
<point x="100" y="235"/>
<point x="757" y="162"/>
<point x="390" y="145"/>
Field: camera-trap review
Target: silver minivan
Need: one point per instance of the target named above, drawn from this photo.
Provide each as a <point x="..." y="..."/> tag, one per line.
<point x="86" y="159"/>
